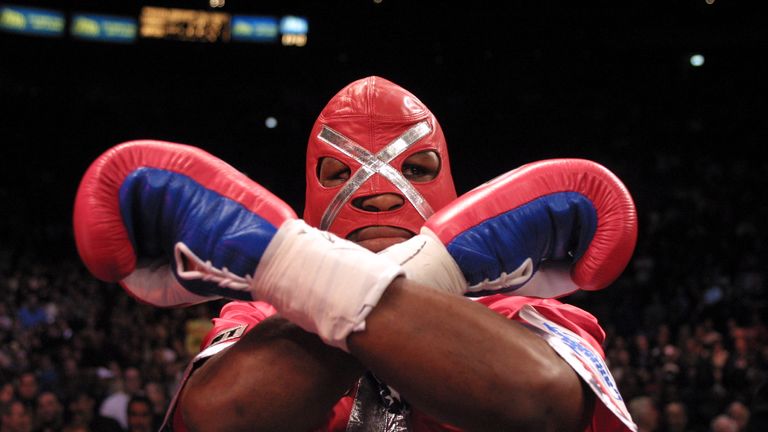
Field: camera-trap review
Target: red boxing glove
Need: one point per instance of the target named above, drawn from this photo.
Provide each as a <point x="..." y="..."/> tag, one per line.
<point x="545" y="229"/>
<point x="138" y="199"/>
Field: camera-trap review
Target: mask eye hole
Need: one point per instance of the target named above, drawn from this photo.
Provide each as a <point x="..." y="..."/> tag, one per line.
<point x="422" y="166"/>
<point x="332" y="172"/>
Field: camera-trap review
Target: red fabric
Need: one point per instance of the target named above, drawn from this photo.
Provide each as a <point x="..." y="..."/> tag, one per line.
<point x="574" y="319"/>
<point x="235" y="314"/>
<point x="373" y="112"/>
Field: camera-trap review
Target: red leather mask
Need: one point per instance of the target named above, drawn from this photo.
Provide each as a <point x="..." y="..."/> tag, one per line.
<point x="373" y="125"/>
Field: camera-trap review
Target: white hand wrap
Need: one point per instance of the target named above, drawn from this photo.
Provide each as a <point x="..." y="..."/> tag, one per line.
<point x="426" y="261"/>
<point x="323" y="283"/>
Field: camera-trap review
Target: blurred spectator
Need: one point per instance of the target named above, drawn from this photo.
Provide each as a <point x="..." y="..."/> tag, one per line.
<point x="157" y="395"/>
<point x="723" y="423"/>
<point x="27" y="389"/>
<point x="31" y="313"/>
<point x="675" y="418"/>
<point x="6" y="321"/>
<point x="7" y="393"/>
<point x="72" y="378"/>
<point x="739" y="412"/>
<point x="47" y="373"/>
<point x="139" y="414"/>
<point x="116" y="404"/>
<point x="644" y="413"/>
<point x="49" y="413"/>
<point x="15" y="417"/>
<point x="82" y="415"/>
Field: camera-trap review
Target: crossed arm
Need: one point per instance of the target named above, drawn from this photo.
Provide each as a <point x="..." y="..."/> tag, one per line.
<point x="455" y="360"/>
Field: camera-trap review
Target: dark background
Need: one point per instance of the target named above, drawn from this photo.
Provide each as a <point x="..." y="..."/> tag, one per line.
<point x="511" y="82"/>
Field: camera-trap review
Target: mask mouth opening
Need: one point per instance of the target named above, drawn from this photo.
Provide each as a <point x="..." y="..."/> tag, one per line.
<point x="377" y="238"/>
<point x="379" y="231"/>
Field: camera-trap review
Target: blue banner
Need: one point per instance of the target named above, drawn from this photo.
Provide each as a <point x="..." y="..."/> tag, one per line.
<point x="250" y="28"/>
<point x="105" y="28"/>
<point x="32" y="21"/>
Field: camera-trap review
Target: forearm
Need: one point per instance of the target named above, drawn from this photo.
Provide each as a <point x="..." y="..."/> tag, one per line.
<point x="277" y="377"/>
<point x="467" y="365"/>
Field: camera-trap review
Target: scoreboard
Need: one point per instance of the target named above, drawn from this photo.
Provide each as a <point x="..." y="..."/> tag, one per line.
<point x="184" y="24"/>
<point x="157" y="23"/>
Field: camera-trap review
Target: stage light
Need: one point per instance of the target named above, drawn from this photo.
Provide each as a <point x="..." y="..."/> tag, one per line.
<point x="697" y="60"/>
<point x="270" y="122"/>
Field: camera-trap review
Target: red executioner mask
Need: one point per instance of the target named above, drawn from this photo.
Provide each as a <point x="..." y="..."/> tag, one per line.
<point x="372" y="126"/>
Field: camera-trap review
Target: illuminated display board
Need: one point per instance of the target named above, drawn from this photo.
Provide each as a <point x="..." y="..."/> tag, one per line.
<point x="250" y="28"/>
<point x="183" y="24"/>
<point x="106" y="28"/>
<point x="35" y="21"/>
<point x="294" y="25"/>
<point x="294" y="30"/>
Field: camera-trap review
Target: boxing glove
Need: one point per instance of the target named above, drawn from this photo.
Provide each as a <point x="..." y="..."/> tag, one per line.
<point x="545" y="229"/>
<point x="174" y="225"/>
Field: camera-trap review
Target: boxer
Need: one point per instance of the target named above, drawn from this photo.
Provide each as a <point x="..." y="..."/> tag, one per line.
<point x="445" y="368"/>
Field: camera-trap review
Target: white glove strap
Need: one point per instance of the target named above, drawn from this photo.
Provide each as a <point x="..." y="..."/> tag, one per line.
<point x="426" y="261"/>
<point x="323" y="283"/>
<point x="553" y="280"/>
<point x="157" y="286"/>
